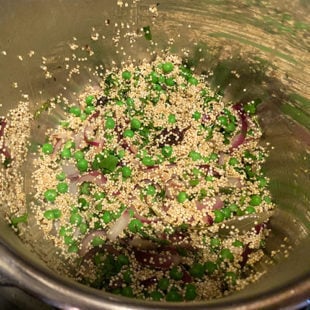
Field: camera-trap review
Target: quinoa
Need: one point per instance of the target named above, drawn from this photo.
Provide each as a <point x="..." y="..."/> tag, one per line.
<point x="145" y="184"/>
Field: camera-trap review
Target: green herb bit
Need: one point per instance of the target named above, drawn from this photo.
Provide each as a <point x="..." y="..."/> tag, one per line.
<point x="172" y="119"/>
<point x="147" y="33"/>
<point x="15" y="220"/>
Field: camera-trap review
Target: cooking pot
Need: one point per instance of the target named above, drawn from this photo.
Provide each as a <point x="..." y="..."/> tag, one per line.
<point x="251" y="48"/>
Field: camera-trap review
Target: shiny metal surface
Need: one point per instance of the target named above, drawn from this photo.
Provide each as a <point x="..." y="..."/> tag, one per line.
<point x="266" y="42"/>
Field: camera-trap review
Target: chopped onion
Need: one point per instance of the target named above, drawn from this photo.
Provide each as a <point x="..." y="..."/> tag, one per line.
<point x="93" y="176"/>
<point x="119" y="225"/>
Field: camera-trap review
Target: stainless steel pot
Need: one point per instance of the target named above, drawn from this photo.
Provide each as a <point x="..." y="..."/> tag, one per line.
<point x="266" y="42"/>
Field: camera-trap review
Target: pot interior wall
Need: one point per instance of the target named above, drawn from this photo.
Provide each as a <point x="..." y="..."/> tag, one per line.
<point x="267" y="44"/>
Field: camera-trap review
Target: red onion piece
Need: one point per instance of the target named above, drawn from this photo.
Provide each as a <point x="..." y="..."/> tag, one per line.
<point x="94" y="177"/>
<point x="88" y="238"/>
<point x="118" y="226"/>
<point x="142" y="244"/>
<point x="163" y="260"/>
<point x="87" y="139"/>
<point x="218" y="204"/>
<point x="208" y="220"/>
<point x="245" y="255"/>
<point x="238" y="139"/>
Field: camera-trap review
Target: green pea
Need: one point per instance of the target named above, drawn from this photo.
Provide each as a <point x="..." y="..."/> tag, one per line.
<point x="213" y="156"/>
<point x="65" y="153"/>
<point x="61" y="176"/>
<point x="196" y="116"/>
<point x="231" y="276"/>
<point x="237" y="243"/>
<point x="226" y="254"/>
<point x="170" y="81"/>
<point x="49" y="214"/>
<point x="83" y="203"/>
<point x="233" y="161"/>
<point x="97" y="241"/>
<point x="210" y="267"/>
<point x="215" y="242"/>
<point x="197" y="270"/>
<point x="262" y="182"/>
<point x="75" y="219"/>
<point x="126" y="172"/>
<point x="135" y="225"/>
<point x="62" y="187"/>
<point x="190" y="292"/>
<point x="231" y="127"/>
<point x="150" y="190"/>
<point x="219" y="216"/>
<point x="148" y="161"/>
<point x="127" y="275"/>
<point x="167" y="151"/>
<point x="89" y="99"/>
<point x="123" y="259"/>
<point x="255" y="200"/>
<point x="99" y="196"/>
<point x="193" y="182"/>
<point x="174" y="295"/>
<point x="119" y="102"/>
<point x="78" y="155"/>
<point x="82" y="165"/>
<point x="68" y="240"/>
<point x="76" y="111"/>
<point x="156" y="295"/>
<point x="163" y="284"/>
<point x="128" y="133"/>
<point x="171" y="119"/>
<point x="250" y="210"/>
<point x="83" y="228"/>
<point x="223" y="120"/>
<point x="107" y="217"/>
<point x="85" y="188"/>
<point x="83" y="116"/>
<point x="50" y="195"/>
<point x="182" y="197"/>
<point x="135" y="124"/>
<point x="47" y="148"/>
<point x="227" y="212"/>
<point x="193" y="81"/>
<point x="127" y="291"/>
<point x="194" y="155"/>
<point x="176" y="273"/>
<point x="73" y="248"/>
<point x="89" y="110"/>
<point x="57" y="213"/>
<point x="167" y="67"/>
<point x="109" y="123"/>
<point x="126" y="75"/>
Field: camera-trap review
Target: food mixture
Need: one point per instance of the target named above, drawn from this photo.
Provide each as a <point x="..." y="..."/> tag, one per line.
<point x="152" y="186"/>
